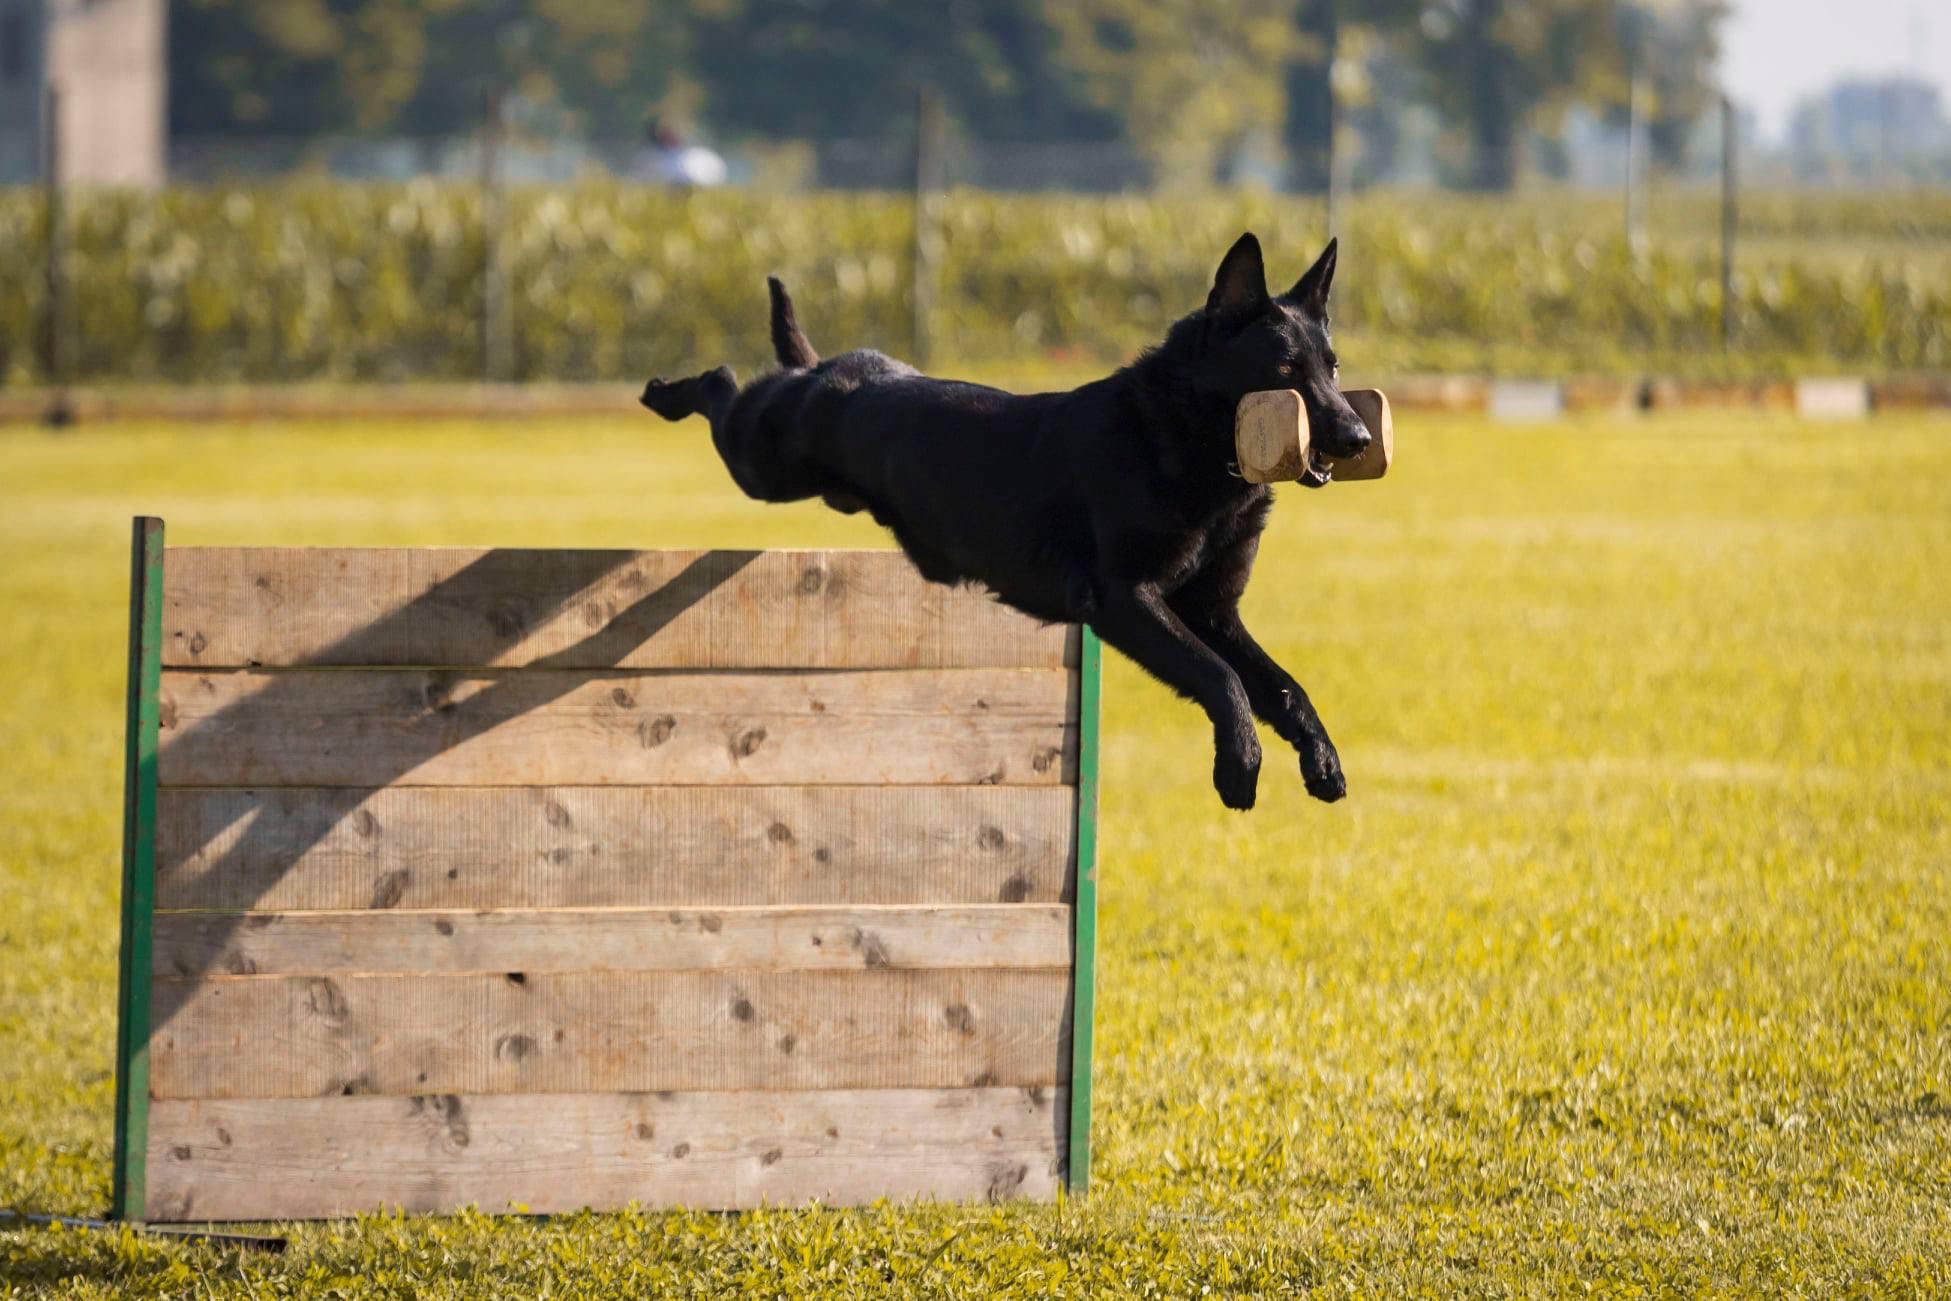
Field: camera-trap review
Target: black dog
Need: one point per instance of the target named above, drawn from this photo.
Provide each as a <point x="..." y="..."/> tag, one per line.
<point x="1117" y="504"/>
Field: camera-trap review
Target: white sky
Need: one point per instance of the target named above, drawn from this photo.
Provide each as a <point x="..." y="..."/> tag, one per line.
<point x="1774" y="52"/>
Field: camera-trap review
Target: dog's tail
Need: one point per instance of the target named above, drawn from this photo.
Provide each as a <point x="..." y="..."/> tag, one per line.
<point x="708" y="395"/>
<point x="787" y="341"/>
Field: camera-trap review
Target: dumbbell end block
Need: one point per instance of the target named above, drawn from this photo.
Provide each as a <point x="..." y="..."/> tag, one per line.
<point x="1271" y="437"/>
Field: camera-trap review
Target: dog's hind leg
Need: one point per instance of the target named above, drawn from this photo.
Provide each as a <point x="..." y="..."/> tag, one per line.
<point x="708" y="395"/>
<point x="931" y="565"/>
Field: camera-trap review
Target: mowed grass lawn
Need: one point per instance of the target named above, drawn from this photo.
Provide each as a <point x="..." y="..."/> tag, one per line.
<point x="1627" y="962"/>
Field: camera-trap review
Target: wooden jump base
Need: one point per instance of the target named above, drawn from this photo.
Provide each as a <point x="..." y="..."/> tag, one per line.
<point x="538" y="880"/>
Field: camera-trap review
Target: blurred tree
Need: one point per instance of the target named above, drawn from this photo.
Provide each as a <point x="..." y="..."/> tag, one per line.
<point x="849" y="68"/>
<point x="1496" y="64"/>
<point x="1375" y="100"/>
<point x="1192" y="80"/>
<point x="262" y="66"/>
<point x="1310" y="93"/>
<point x="1675" y="45"/>
<point x="418" y="67"/>
<point x="606" y="65"/>
<point x="1189" y="82"/>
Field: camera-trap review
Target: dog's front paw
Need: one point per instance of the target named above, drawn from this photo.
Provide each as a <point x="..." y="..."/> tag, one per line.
<point x="1321" y="770"/>
<point x="1236" y="772"/>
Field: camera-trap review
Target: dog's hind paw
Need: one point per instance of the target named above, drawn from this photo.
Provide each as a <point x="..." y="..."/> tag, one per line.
<point x="674" y="399"/>
<point x="1321" y="771"/>
<point x="671" y="399"/>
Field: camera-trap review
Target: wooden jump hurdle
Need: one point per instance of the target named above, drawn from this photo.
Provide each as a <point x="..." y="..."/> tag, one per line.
<point x="549" y="879"/>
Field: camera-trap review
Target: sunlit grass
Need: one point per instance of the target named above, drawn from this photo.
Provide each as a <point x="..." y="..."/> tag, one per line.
<point x="1627" y="961"/>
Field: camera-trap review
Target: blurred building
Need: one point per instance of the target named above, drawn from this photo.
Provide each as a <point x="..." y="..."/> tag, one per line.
<point x="107" y="60"/>
<point x="1869" y="127"/>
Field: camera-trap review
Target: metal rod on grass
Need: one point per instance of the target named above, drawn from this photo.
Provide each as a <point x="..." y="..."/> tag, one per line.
<point x="260" y="1242"/>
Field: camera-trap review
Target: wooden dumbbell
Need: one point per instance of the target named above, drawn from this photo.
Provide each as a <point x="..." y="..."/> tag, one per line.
<point x="1270" y="436"/>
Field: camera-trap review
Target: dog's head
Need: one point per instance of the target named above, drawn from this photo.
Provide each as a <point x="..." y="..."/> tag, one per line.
<point x="1246" y="339"/>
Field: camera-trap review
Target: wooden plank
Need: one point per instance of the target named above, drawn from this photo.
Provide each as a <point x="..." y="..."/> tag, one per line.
<point x="550" y="1154"/>
<point x="1018" y="936"/>
<point x="876" y="611"/>
<point x="542" y="727"/>
<point x="676" y="846"/>
<point x="229" y="607"/>
<point x="598" y="1032"/>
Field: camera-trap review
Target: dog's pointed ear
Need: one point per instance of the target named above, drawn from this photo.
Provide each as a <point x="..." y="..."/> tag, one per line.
<point x="1310" y="292"/>
<point x="1241" y="283"/>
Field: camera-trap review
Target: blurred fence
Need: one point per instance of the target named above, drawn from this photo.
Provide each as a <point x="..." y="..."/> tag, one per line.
<point x="1071" y="166"/>
<point x="1590" y="153"/>
<point x="605" y="280"/>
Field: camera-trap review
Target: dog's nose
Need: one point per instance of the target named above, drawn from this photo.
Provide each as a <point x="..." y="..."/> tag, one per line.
<point x="1353" y="436"/>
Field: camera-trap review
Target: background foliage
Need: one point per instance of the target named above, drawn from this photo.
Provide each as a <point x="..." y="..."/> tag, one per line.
<point x="615" y="282"/>
<point x="1185" y="82"/>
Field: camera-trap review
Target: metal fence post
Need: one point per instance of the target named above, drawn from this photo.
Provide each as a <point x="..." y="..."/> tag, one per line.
<point x="1729" y="218"/>
<point x="1337" y="170"/>
<point x="1636" y="162"/>
<point x="927" y="178"/>
<point x="497" y="334"/>
<point x="54" y="342"/>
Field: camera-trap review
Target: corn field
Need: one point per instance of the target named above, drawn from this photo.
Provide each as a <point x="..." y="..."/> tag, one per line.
<point x="324" y="281"/>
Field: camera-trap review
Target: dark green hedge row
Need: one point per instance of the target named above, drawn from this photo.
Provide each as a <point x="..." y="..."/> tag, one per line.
<point x="313" y="280"/>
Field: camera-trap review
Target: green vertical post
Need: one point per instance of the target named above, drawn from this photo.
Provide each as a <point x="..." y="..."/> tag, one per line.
<point x="138" y="868"/>
<point x="1083" y="988"/>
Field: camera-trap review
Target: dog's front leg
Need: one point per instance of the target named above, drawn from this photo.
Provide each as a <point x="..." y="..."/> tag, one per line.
<point x="1139" y="622"/>
<point x="1276" y="697"/>
<point x="1210" y="606"/>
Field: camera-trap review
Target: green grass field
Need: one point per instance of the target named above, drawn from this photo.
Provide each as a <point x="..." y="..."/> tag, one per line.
<point x="1627" y="963"/>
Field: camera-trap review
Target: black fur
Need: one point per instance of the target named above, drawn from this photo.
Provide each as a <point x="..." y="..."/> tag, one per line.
<point x="1116" y="504"/>
<point x="790" y="345"/>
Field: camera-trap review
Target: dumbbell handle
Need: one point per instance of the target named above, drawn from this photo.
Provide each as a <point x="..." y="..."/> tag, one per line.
<point x="1270" y="436"/>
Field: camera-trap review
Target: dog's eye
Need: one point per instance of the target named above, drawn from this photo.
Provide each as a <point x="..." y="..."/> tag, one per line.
<point x="1286" y="368"/>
